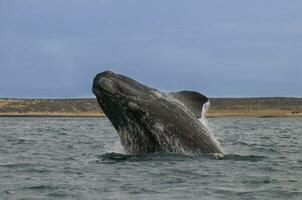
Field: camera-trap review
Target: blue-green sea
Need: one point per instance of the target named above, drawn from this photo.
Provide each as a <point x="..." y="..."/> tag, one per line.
<point x="81" y="158"/>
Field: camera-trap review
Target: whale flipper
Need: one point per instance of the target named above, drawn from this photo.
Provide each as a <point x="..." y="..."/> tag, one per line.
<point x="194" y="101"/>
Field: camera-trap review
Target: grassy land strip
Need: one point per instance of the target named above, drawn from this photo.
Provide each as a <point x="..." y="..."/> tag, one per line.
<point x="220" y="107"/>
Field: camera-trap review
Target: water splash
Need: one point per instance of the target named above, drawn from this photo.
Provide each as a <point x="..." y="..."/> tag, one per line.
<point x="205" y="109"/>
<point x="115" y="147"/>
<point x="203" y="120"/>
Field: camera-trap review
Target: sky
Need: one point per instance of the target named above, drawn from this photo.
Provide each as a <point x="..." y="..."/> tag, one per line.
<point x="221" y="48"/>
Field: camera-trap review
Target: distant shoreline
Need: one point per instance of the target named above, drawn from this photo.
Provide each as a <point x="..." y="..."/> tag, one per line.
<point x="211" y="115"/>
<point x="220" y="107"/>
<point x="52" y="115"/>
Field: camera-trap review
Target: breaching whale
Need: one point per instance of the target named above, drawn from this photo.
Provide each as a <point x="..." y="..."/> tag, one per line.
<point x="148" y="120"/>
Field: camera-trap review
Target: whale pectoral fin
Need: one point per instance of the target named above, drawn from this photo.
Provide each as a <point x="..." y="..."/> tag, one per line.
<point x="194" y="101"/>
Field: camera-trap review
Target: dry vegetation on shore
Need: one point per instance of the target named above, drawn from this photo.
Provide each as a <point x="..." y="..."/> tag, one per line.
<point x="220" y="107"/>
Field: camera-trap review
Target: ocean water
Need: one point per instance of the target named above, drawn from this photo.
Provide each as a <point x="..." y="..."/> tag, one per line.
<point x="81" y="158"/>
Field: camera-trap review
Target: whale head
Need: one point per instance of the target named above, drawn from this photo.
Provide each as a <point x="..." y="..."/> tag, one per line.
<point x="112" y="85"/>
<point x="124" y="101"/>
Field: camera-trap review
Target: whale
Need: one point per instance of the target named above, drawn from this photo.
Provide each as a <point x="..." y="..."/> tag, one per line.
<point x="148" y="120"/>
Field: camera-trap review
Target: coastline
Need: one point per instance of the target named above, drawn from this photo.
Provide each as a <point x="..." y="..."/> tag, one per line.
<point x="45" y="114"/>
<point x="265" y="114"/>
<point x="220" y="107"/>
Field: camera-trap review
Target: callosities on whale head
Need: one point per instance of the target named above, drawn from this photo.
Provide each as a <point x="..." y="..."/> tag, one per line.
<point x="108" y="86"/>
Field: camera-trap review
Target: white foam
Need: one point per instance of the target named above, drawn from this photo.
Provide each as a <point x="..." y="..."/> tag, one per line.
<point x="203" y="120"/>
<point x="204" y="111"/>
<point x="115" y="147"/>
<point x="205" y="108"/>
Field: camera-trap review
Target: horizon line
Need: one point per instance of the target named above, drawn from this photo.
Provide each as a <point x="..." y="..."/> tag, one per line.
<point x="91" y="97"/>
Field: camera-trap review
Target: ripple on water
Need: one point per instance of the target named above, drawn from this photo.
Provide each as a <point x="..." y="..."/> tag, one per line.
<point x="81" y="158"/>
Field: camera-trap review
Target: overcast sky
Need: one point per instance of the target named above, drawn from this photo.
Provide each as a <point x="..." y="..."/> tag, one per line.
<point x="231" y="48"/>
